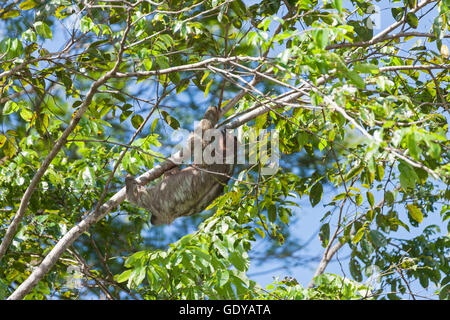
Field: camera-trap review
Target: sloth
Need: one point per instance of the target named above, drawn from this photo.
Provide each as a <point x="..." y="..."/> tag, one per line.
<point x="184" y="192"/>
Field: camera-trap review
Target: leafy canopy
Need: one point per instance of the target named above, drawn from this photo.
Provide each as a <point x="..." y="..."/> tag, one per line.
<point x="93" y="90"/>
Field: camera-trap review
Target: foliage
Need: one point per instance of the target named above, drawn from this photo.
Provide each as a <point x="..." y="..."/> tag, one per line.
<point x="90" y="91"/>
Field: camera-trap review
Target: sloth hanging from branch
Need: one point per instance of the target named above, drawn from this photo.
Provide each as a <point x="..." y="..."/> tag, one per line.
<point x="190" y="190"/>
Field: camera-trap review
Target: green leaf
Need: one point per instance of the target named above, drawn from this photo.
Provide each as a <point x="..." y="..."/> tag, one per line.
<point x="261" y="232"/>
<point x="136" y="121"/>
<point x="11" y="14"/>
<point x="366" y="68"/>
<point x="183" y="85"/>
<point x="408" y="176"/>
<point x="359" y="235"/>
<point x="28" y="4"/>
<point x="378" y="238"/>
<point x="222" y="276"/>
<point x="86" y="24"/>
<point x="358" y="199"/>
<point x="137" y="276"/>
<point x="412" y="20"/>
<point x="415" y="212"/>
<point x="205" y="75"/>
<point x="238" y="260"/>
<point x="413" y="147"/>
<point x="412" y="4"/>
<point x="355" y="270"/>
<point x="397" y="13"/>
<point x="124" y="115"/>
<point x="338" y="5"/>
<point x="30" y="35"/>
<point x="379" y="172"/>
<point x="153" y="126"/>
<point x="342" y="195"/>
<point x="238" y="7"/>
<point x="354" y="171"/>
<point x="10" y="107"/>
<point x="31" y="48"/>
<point x="26" y="114"/>
<point x="283" y="214"/>
<point x="172" y="122"/>
<point x="2" y="140"/>
<point x="356" y="79"/>
<point x="321" y="38"/>
<point x="162" y="62"/>
<point x="272" y="213"/>
<point x="434" y="150"/>
<point x="9" y="148"/>
<point x="43" y="30"/>
<point x="207" y="87"/>
<point x="389" y="197"/>
<point x="324" y="234"/>
<point x="370" y="198"/>
<point x="175" y="77"/>
<point x="315" y="194"/>
<point x="124" y="276"/>
<point x="221" y="249"/>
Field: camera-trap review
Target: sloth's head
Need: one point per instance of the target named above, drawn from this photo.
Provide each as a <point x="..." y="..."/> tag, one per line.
<point x="212" y="114"/>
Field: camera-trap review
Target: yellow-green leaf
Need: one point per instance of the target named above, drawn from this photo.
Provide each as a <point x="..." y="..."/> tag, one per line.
<point x="123" y="276"/>
<point x="207" y="87"/>
<point x="43" y="30"/>
<point x="261" y="121"/>
<point x="359" y="235"/>
<point x="415" y="212"/>
<point x="10" y="14"/>
<point x="354" y="171"/>
<point x="183" y="85"/>
<point x="342" y="196"/>
<point x="26" y="114"/>
<point x="27" y="5"/>
<point x="2" y="140"/>
<point x="10" y="107"/>
<point x="172" y="122"/>
<point x="204" y="77"/>
<point x="153" y="126"/>
<point x="358" y="199"/>
<point x="261" y="233"/>
<point x="370" y="198"/>
<point x="9" y="148"/>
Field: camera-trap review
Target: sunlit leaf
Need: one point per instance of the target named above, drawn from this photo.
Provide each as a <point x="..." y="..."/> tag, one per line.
<point x="28" y="4"/>
<point x="43" y="30"/>
<point x="415" y="212"/>
<point x="10" y="14"/>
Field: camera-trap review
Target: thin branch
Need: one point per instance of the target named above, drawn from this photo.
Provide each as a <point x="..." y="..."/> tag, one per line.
<point x="363" y="44"/>
<point x="185" y="67"/>
<point x="415" y="67"/>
